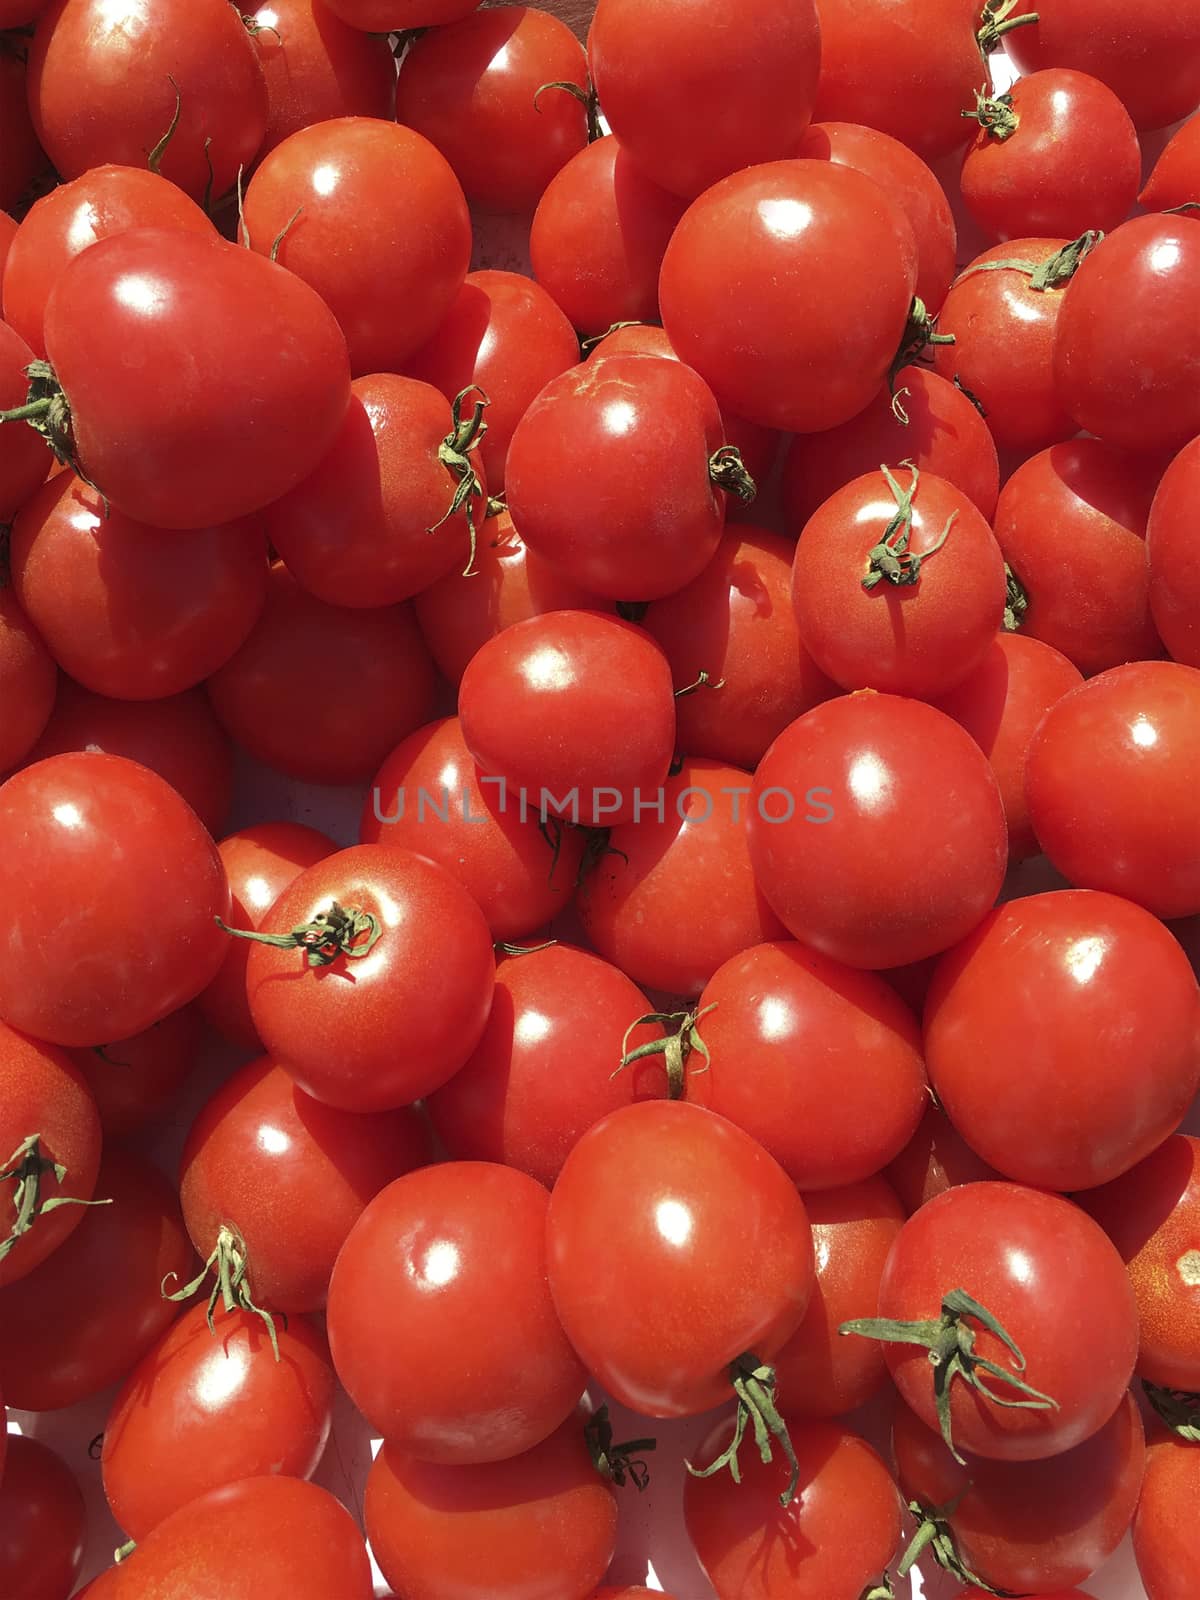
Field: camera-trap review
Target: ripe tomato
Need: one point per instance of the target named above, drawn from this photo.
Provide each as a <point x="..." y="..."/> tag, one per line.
<point x="453" y="1259"/>
<point x="144" y="941"/>
<point x="833" y="1541"/>
<point x="394" y="16"/>
<point x="316" y="67"/>
<point x="8" y="229"/>
<point x="934" y="1159"/>
<point x="220" y="334"/>
<point x="388" y="994"/>
<point x="371" y="683"/>
<point x="28" y="683"/>
<point x="819" y="1062"/>
<point x="23" y="459"/>
<point x="914" y="851"/>
<point x="42" y="1524"/>
<point x="383" y="233"/>
<point x="694" y="98"/>
<point x="1130" y="733"/>
<point x="114" y="1263"/>
<point x="542" y="1525"/>
<point x="294" y="1174"/>
<point x="633" y="1591"/>
<point x="1175" y="178"/>
<point x="754" y="298"/>
<point x="22" y="159"/>
<point x="1166" y="1534"/>
<point x="135" y="1082"/>
<point x="1174" y="585"/>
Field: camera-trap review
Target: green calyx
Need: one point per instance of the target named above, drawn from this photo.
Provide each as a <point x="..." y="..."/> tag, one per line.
<point x="994" y="114"/>
<point x="1178" y="1409"/>
<point x="587" y="98"/>
<point x="995" y="21"/>
<point x="1052" y="273"/>
<point x="231" y="1287"/>
<point x="728" y="471"/>
<point x="935" y="1534"/>
<point x="454" y="453"/>
<point x="1016" y="601"/>
<point x="681" y="1036"/>
<point x="333" y="933"/>
<point x="620" y="1463"/>
<point x="29" y="1168"/>
<point x="891" y="560"/>
<point x="920" y="334"/>
<point x="46" y="411"/>
<point x="754" y="1385"/>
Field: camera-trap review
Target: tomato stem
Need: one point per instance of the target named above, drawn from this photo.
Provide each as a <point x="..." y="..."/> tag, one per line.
<point x="453" y="453"/>
<point x="503" y="948"/>
<point x="154" y="159"/>
<point x="680" y="1037"/>
<point x="590" y="343"/>
<point x="333" y="933"/>
<point x="124" y="1551"/>
<point x="935" y="1534"/>
<point x="891" y="558"/>
<point x="879" y="1591"/>
<point x="1052" y="273"/>
<point x="994" y="114"/>
<point x="701" y="681"/>
<point x="995" y="21"/>
<point x="728" y="471"/>
<point x="971" y="396"/>
<point x="618" y="1462"/>
<point x="1016" y="601"/>
<point x="588" y="100"/>
<point x="28" y="1166"/>
<point x="920" y="332"/>
<point x="1177" y="1408"/>
<point x="230" y="1262"/>
<point x="754" y="1384"/>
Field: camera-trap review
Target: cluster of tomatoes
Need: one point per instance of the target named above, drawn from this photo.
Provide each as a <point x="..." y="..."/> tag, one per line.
<point x="762" y="658"/>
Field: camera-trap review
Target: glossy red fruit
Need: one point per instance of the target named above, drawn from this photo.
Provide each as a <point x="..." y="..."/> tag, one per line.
<point x="8" y="229"/>
<point x="1175" y="178"/>
<point x="934" y="1159"/>
<point x="23" y="162"/>
<point x="24" y="459"/>
<point x="42" y="1524"/>
<point x="135" y="1082"/>
<point x="392" y="16"/>
<point x="1166" y="1539"/>
<point x="1174" y="582"/>
<point x="28" y="683"/>
<point x="316" y="67"/>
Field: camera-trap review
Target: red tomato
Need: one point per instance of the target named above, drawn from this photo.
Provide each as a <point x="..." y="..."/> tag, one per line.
<point x="144" y="940"/>
<point x="819" y="1062"/>
<point x="295" y="1174"/>
<point x="755" y="299"/>
<point x="453" y="1259"/>
<point x="854" y="1228"/>
<point x="599" y="235"/>
<point x="542" y="1525"/>
<point x="42" y="1524"/>
<point x="633" y="1591"/>
<point x="23" y="458"/>
<point x="8" y="232"/>
<point x="506" y="337"/>
<point x="660" y="1296"/>
<point x="135" y="1082"/>
<point x="934" y="1159"/>
<point x="1029" y="1525"/>
<point x="735" y="622"/>
<point x="1042" y="1270"/>
<point x="394" y="16"/>
<point x="1059" y="1594"/>
<point x="383" y="234"/>
<point x="411" y="960"/>
<point x="114" y="1264"/>
<point x="1000" y="704"/>
<point x="694" y="98"/>
<point x="22" y="159"/>
<point x="429" y="797"/>
<point x="71" y="218"/>
<point x="220" y="334"/>
<point x="1175" y="178"/>
<point x="832" y="1543"/>
<point x="28" y="683"/>
<point x="915" y="849"/>
<point x="371" y="683"/>
<point x="1128" y="338"/>
<point x="1166" y="1533"/>
<point x="1098" y="1002"/>
<point x="317" y="67"/>
<point x="1174" y="579"/>
<point x="674" y="894"/>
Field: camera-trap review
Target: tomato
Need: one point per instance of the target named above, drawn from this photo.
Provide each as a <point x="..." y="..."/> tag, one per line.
<point x="1175" y="178"/>
<point x="735" y="622"/>
<point x="394" y="16"/>
<point x="452" y="1259"/>
<point x="1042" y="1270"/>
<point x="1174" y="589"/>
<point x="8" y="231"/>
<point x="1056" y="154"/>
<point x="1129" y="734"/>
<point x="633" y="1591"/>
<point x="659" y="1295"/>
<point x="915" y="849"/>
<point x="296" y="1176"/>
<point x="819" y="1062"/>
<point x="429" y="797"/>
<point x="388" y="994"/>
<point x="62" y="224"/>
<point x="1001" y="704"/>
<point x="317" y="67"/>
<point x="23" y="459"/>
<point x="136" y="1082"/>
<point x="1029" y="1525"/>
<point x="113" y="1264"/>
<point x="542" y="1525"/>
<point x="755" y="299"/>
<point x="832" y="1543"/>
<point x="383" y="234"/>
<point x="1059" y="1594"/>
<point x="1127" y="374"/>
<point x="611" y="477"/>
<point x="248" y="1539"/>
<point x="42" y="1524"/>
<point x="694" y="98"/>
<point x="28" y="683"/>
<point x="598" y="237"/>
<point x="220" y="334"/>
<point x="934" y="1159"/>
<point x="1147" y="57"/>
<point x="22" y="159"/>
<point x="142" y="941"/>
<point x="1166" y="1535"/>
<point x="370" y="683"/>
<point x="505" y="337"/>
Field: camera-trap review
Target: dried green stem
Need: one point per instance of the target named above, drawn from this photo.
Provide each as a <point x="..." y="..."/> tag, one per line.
<point x="621" y="1463"/>
<point x="754" y="1385"/>
<point x="681" y="1036"/>
<point x="454" y="454"/>
<point x="231" y="1286"/>
<point x="337" y="932"/>
<point x="891" y="560"/>
<point x="29" y="1167"/>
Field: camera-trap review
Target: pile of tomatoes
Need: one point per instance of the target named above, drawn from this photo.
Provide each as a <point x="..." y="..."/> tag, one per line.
<point x="753" y="661"/>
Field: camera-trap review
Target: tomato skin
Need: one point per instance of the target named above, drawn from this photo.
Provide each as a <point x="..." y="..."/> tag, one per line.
<point x="269" y="348"/>
<point x="24" y="460"/>
<point x="1030" y="1525"/>
<point x="316" y="67"/>
<point x="294" y="1173"/>
<point x="8" y="231"/>
<point x="146" y="942"/>
<point x="541" y="1526"/>
<point x="1174" y="585"/>
<point x="742" y="258"/>
<point x="667" y="1259"/>
<point x="837" y="1536"/>
<point x="1166" y="1536"/>
<point x="22" y="159"/>
<point x="935" y="1159"/>
<point x="28" y="683"/>
<point x="1043" y="1269"/>
<point x="453" y="1259"/>
<point x="694" y="100"/>
<point x="394" y="16"/>
<point x="1130" y="732"/>
<point x="819" y="1062"/>
<point x="1175" y="178"/>
<point x="135" y="1082"/>
<point x="42" y="1524"/>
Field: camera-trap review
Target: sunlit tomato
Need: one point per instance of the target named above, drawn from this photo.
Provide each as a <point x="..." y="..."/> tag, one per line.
<point x="28" y="683"/>
<point x="42" y="1524"/>
<point x="541" y="1525"/>
<point x="317" y="67"/>
<point x="24" y="460"/>
<point x="114" y="1263"/>
<point x="1174" y="576"/>
<point x="1176" y="176"/>
<point x="369" y="682"/>
<point x="295" y="1175"/>
<point x="383" y="233"/>
<point x="394" y="16"/>
<point x="8" y="232"/>
<point x="142" y="941"/>
<point x="135" y="1082"/>
<point x="876" y="830"/>
<point x="453" y="1258"/>
<point x="22" y="159"/>
<point x="934" y="1159"/>
<point x="754" y="299"/>
<point x="1166" y="1532"/>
